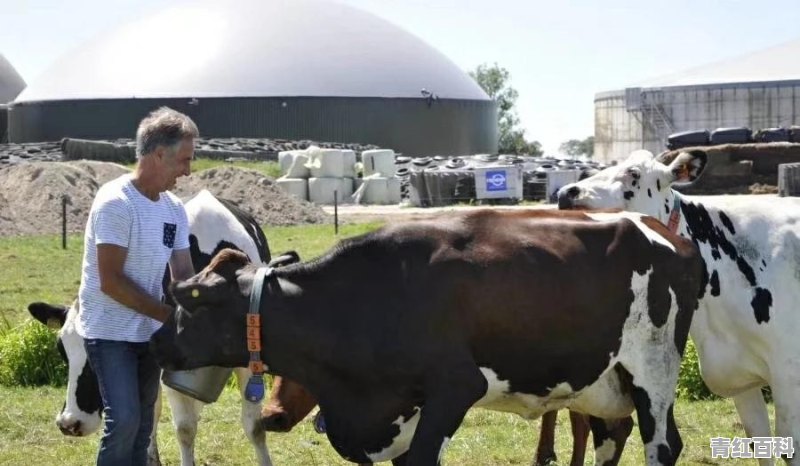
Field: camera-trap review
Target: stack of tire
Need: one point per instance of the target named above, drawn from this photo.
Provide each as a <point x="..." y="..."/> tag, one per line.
<point x="403" y="173"/>
<point x="321" y="176"/>
<point x="379" y="184"/>
<point x="789" y="179"/>
<point x="735" y="135"/>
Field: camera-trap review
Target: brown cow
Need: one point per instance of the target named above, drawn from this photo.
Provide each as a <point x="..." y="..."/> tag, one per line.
<point x="399" y="332"/>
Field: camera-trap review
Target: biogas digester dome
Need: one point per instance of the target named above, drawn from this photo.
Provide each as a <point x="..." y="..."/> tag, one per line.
<point x="11" y="84"/>
<point x="303" y="69"/>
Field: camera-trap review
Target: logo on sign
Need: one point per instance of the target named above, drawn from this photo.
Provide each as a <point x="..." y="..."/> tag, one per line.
<point x="496" y="180"/>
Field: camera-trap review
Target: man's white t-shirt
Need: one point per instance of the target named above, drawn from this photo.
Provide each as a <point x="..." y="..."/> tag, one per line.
<point x="150" y="230"/>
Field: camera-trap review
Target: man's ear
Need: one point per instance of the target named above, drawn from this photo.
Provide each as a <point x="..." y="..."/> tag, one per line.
<point x="688" y="166"/>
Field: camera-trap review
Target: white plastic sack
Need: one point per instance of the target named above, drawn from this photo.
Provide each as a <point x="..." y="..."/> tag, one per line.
<point x="378" y="162"/>
<point x="378" y="190"/>
<point x="298" y="187"/>
<point x="325" y="163"/>
<point x="321" y="190"/>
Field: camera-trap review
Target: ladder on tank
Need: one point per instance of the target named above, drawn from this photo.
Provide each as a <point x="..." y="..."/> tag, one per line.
<point x="648" y="108"/>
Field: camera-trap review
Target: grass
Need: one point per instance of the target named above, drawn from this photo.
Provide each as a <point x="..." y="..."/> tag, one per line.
<point x="271" y="169"/>
<point x="28" y="435"/>
<point x="37" y="269"/>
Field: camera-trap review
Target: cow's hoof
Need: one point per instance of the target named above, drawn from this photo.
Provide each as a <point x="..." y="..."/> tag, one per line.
<point x="546" y="460"/>
<point x="319" y="423"/>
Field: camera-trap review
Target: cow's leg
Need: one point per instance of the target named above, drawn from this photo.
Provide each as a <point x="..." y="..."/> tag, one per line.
<point x="185" y="416"/>
<point x="786" y="396"/>
<point x="153" y="458"/>
<point x="399" y="461"/>
<point x="662" y="442"/>
<point x="609" y="439"/>
<point x="752" y="411"/>
<point x="580" y="433"/>
<point x="546" y="450"/>
<point x="251" y="420"/>
<point x="455" y="388"/>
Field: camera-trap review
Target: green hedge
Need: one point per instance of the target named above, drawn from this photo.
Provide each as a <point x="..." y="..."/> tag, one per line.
<point x="29" y="357"/>
<point x="690" y="384"/>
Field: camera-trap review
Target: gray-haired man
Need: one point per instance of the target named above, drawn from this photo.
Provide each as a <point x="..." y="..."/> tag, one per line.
<point x="135" y="228"/>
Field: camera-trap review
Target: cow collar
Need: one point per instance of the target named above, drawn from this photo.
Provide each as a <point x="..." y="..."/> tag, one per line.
<point x="675" y="215"/>
<point x="255" y="385"/>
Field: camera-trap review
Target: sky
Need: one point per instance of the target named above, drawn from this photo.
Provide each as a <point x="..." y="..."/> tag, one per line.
<point x="559" y="53"/>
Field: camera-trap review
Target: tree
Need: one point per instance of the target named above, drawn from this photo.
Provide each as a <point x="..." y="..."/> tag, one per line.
<point x="577" y="148"/>
<point x="495" y="82"/>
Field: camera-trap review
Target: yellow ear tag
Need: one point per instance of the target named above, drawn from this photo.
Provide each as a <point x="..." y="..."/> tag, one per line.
<point x="195" y="293"/>
<point x="53" y="323"/>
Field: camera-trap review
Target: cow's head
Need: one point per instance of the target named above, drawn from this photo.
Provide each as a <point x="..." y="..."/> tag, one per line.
<point x="289" y="403"/>
<point x="81" y="414"/>
<point x="641" y="183"/>
<point x="208" y="327"/>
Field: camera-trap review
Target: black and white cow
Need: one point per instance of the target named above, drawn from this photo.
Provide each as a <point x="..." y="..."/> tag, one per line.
<point x="746" y="327"/>
<point x="397" y="333"/>
<point x="214" y="224"/>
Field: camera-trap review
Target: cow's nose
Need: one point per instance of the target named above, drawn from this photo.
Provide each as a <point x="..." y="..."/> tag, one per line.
<point x="567" y="195"/>
<point x="73" y="430"/>
<point x="276" y="422"/>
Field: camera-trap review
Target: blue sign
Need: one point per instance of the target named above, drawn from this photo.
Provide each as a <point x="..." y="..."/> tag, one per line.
<point x="496" y="180"/>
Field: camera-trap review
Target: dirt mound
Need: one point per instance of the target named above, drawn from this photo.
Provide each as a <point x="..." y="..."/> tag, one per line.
<point x="33" y="192"/>
<point x="30" y="195"/>
<point x="254" y="193"/>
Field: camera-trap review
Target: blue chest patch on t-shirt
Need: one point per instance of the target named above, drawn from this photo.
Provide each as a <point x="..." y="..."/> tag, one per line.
<point x="169" y="234"/>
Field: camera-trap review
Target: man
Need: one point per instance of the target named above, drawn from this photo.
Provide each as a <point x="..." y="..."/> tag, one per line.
<point x="135" y="227"/>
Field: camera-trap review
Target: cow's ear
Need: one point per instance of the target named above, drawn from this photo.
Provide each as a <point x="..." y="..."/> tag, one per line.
<point x="53" y="316"/>
<point x="227" y="262"/>
<point x="287" y="258"/>
<point x="688" y="166"/>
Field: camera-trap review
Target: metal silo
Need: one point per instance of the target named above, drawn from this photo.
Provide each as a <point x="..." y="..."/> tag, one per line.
<point x="757" y="90"/>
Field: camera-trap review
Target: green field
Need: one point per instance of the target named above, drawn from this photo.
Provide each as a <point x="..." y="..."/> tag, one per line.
<point x="271" y="169"/>
<point x="37" y="269"/>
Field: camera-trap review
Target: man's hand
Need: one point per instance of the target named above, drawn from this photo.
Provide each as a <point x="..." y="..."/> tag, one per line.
<point x="180" y="264"/>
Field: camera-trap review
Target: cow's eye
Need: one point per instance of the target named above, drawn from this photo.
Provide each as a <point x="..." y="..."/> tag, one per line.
<point x="633" y="173"/>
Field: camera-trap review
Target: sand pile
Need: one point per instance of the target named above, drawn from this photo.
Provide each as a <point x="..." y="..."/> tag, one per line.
<point x="33" y="192"/>
<point x="30" y="195"/>
<point x="254" y="193"/>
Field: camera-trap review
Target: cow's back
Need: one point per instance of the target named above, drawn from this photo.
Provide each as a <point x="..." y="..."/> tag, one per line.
<point x="218" y="224"/>
<point x="533" y="284"/>
<point x="747" y="321"/>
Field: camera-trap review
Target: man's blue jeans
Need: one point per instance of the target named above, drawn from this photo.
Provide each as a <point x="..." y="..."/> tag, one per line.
<point x="128" y="377"/>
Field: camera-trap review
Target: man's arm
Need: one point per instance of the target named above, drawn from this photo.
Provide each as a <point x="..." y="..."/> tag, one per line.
<point x="114" y="283"/>
<point x="180" y="264"/>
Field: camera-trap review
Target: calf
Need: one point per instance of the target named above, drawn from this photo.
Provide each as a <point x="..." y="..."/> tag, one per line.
<point x="745" y="328"/>
<point x="214" y="224"/>
<point x="400" y="331"/>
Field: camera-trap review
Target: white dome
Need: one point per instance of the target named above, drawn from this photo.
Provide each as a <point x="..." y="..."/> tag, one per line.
<point x="779" y="63"/>
<point x="253" y="48"/>
<point x="11" y="83"/>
